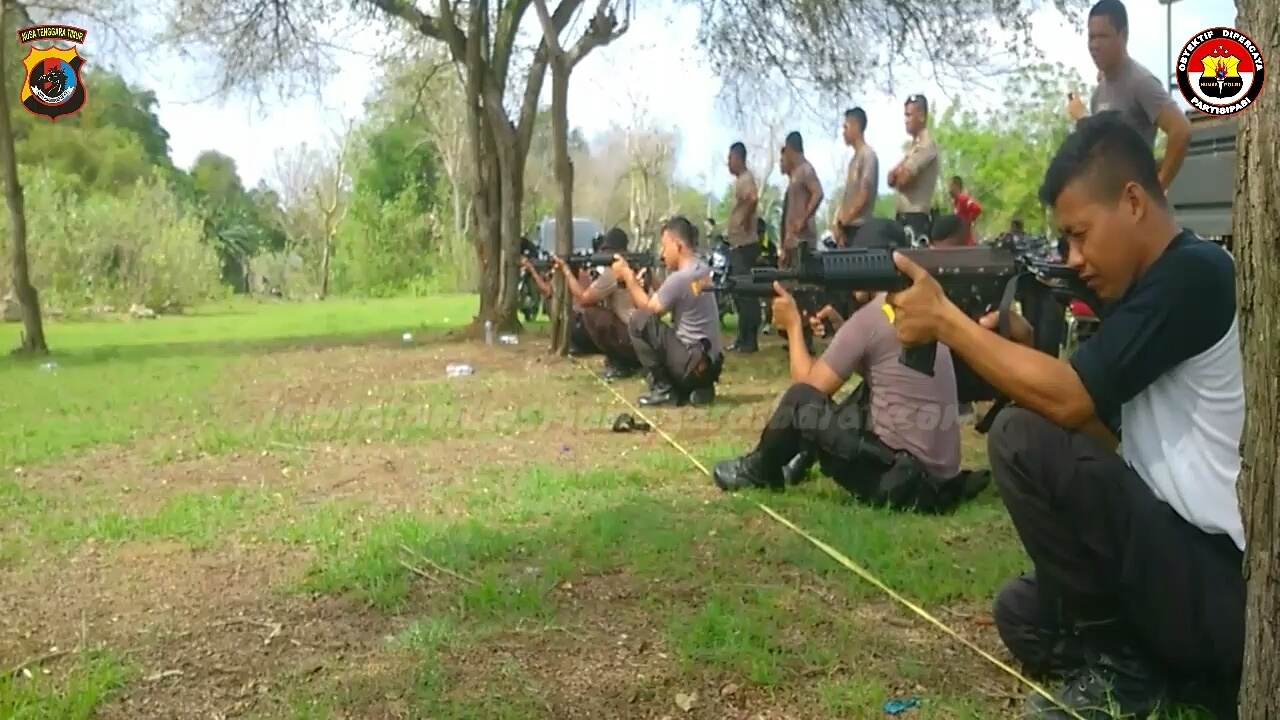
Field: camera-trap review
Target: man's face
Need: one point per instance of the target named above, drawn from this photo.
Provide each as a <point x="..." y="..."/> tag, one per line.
<point x="1106" y="45"/>
<point x="955" y="189"/>
<point x="1100" y="235"/>
<point x="849" y="131"/>
<point x="913" y="118"/>
<point x="784" y="161"/>
<point x="670" y="251"/>
<point x="735" y="165"/>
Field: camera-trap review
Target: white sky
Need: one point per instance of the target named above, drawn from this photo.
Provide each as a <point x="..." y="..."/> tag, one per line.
<point x="645" y="64"/>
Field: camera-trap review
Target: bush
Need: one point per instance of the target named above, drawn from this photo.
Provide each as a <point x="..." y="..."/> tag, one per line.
<point x="140" y="246"/>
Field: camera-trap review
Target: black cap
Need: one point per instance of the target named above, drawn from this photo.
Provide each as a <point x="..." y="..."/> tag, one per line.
<point x="880" y="233"/>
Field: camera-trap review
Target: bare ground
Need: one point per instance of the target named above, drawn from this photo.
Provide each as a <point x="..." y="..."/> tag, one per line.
<point x="211" y="634"/>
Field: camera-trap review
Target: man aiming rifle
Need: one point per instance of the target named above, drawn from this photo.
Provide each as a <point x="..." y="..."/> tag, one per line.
<point x="895" y="440"/>
<point x="605" y="304"/>
<point x="1137" y="596"/>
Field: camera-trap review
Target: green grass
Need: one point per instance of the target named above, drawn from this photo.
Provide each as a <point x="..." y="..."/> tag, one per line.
<point x="600" y="577"/>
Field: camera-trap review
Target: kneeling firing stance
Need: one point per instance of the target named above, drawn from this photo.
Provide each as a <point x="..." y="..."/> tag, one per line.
<point x="1137" y="592"/>
<point x="684" y="362"/>
<point x="580" y="343"/>
<point x="606" y="308"/>
<point x="895" y="440"/>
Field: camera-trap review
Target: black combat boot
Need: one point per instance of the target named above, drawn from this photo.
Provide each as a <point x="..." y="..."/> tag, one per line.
<point x="747" y="471"/>
<point x="616" y="370"/>
<point x="797" y="471"/>
<point x="1114" y="684"/>
<point x="661" y="390"/>
<point x="700" y="396"/>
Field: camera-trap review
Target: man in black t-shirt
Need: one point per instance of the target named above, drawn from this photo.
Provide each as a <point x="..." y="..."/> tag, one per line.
<point x="1137" y="595"/>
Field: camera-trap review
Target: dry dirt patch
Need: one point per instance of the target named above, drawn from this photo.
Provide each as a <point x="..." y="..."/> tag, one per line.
<point x="207" y="631"/>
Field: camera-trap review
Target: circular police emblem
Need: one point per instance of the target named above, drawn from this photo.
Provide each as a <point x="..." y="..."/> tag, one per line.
<point x="1220" y="71"/>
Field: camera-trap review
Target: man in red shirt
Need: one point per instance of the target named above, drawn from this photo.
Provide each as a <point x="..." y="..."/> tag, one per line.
<point x="965" y="207"/>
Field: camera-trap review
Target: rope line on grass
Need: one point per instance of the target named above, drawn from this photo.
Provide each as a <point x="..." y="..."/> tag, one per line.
<point x="840" y="557"/>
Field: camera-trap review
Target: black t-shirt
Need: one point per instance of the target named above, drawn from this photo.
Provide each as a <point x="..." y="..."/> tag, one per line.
<point x="1167" y="357"/>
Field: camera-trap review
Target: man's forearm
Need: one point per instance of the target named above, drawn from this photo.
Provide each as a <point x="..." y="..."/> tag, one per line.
<point x="638" y="296"/>
<point x="1175" y="151"/>
<point x="571" y="282"/>
<point x="1035" y="380"/>
<point x="811" y="208"/>
<point x="544" y="287"/>
<point x="798" y="355"/>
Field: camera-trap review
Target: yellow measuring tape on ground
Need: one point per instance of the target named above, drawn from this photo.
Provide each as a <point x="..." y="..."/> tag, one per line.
<point x="841" y="557"/>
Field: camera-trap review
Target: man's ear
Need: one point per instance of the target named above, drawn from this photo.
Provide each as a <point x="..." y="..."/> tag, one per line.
<point x="1135" y="201"/>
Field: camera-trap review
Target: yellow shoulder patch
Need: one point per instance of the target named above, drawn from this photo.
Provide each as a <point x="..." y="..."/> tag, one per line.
<point x="888" y="312"/>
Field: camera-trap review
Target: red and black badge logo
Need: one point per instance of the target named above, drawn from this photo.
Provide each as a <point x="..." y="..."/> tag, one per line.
<point x="1220" y="71"/>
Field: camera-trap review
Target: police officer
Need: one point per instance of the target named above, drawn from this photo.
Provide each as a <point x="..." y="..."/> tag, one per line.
<point x="894" y="441"/>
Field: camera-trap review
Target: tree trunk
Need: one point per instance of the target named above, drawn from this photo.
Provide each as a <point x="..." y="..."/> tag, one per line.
<point x="560" y="306"/>
<point x="33" y="341"/>
<point x="486" y="201"/>
<point x="1255" y="244"/>
<point x="324" y="267"/>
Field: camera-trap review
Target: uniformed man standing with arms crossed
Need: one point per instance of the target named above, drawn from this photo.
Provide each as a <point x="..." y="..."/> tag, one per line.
<point x="741" y="234"/>
<point x="1128" y="88"/>
<point x="915" y="177"/>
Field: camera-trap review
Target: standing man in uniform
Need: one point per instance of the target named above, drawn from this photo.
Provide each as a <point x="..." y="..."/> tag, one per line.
<point x="861" y="183"/>
<point x="916" y="175"/>
<point x="1128" y="88"/>
<point x="741" y="234"/>
<point x="683" y="362"/>
<point x="803" y="196"/>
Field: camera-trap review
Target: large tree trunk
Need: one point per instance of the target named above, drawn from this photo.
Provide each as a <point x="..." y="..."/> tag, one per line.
<point x="28" y="299"/>
<point x="560" y="306"/>
<point x="1256" y="245"/>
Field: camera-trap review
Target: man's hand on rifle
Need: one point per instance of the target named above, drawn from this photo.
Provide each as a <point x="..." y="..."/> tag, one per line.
<point x="831" y="316"/>
<point x="622" y="269"/>
<point x="526" y="264"/>
<point x="785" y="312"/>
<point x="920" y="310"/>
<point x="1019" y="329"/>
<point x="557" y="264"/>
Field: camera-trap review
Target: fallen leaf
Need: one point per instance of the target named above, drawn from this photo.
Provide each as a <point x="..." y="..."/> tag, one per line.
<point x="686" y="702"/>
<point x="729" y="690"/>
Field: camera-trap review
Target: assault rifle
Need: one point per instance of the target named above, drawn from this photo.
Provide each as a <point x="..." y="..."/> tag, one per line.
<point x="976" y="278"/>
<point x="577" y="261"/>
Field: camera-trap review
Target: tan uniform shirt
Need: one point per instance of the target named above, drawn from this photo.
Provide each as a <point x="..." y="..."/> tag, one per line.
<point x="922" y="161"/>
<point x="797" y="202"/>
<point x="741" y="229"/>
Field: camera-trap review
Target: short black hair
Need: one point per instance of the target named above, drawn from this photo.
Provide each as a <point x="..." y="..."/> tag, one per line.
<point x="795" y="141"/>
<point x="1114" y="11"/>
<point x="740" y="150"/>
<point x="1016" y="224"/>
<point x="686" y="232"/>
<point x="857" y="115"/>
<point x="1110" y="153"/>
<point x="947" y="227"/>
<point x="615" y="239"/>
<point x="919" y="101"/>
<point x="957" y="180"/>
